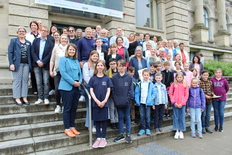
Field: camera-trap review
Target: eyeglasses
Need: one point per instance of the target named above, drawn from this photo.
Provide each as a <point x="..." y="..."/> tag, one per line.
<point x="71" y="30"/>
<point x="21" y="31"/>
<point x="112" y="63"/>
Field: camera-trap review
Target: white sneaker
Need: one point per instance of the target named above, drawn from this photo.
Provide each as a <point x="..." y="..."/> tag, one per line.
<point x="58" y="109"/>
<point x="177" y="134"/>
<point x="94" y="129"/>
<point x="46" y="102"/>
<point x="39" y="101"/>
<point x="82" y="98"/>
<point x="181" y="135"/>
<point x="52" y="92"/>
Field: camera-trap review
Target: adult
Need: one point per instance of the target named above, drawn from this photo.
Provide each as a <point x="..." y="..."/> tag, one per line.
<point x="138" y="62"/>
<point x="196" y="63"/>
<point x="105" y="40"/>
<point x="85" y="45"/>
<point x="34" y="26"/>
<point x="119" y="33"/>
<point x="170" y="49"/>
<point x="132" y="44"/>
<point x="53" y="29"/>
<point x="71" y="78"/>
<point x="141" y="39"/>
<point x="65" y="30"/>
<point x="176" y="45"/>
<point x="71" y="35"/>
<point x="161" y="57"/>
<point x="79" y="34"/>
<point x="147" y="39"/>
<point x="58" y="52"/>
<point x="41" y="54"/>
<point x="19" y="56"/>
<point x="122" y="50"/>
<point x="94" y="34"/>
<point x="183" y="54"/>
<point x="147" y="52"/>
<point x="152" y="58"/>
<point x="98" y="31"/>
<point x="56" y="36"/>
<point x="40" y="25"/>
<point x="155" y="41"/>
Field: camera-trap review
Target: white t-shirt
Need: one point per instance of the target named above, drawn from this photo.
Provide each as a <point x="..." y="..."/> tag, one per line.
<point x="144" y="91"/>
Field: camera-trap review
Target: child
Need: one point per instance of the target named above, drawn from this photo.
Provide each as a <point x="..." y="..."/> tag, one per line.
<point x="151" y="59"/>
<point x="159" y="66"/>
<point x="178" y="94"/>
<point x="220" y="88"/>
<point x="177" y="57"/>
<point x="144" y="95"/>
<point x="206" y="85"/>
<point x="113" y="110"/>
<point x="102" y="53"/>
<point x="88" y="69"/>
<point x="113" y="54"/>
<point x="177" y="64"/>
<point x="123" y="94"/>
<point x="153" y="71"/>
<point x="195" y="105"/>
<point x="189" y="74"/>
<point x="168" y="78"/>
<point x="131" y="71"/>
<point x="100" y="85"/>
<point x="194" y="71"/>
<point x="160" y="103"/>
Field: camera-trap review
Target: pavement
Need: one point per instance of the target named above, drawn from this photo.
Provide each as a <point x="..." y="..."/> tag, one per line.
<point x="217" y="143"/>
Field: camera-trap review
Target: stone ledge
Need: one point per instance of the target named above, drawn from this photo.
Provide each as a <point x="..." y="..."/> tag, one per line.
<point x="199" y="26"/>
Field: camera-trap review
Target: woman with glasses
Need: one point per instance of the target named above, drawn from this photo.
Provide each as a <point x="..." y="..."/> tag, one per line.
<point x="19" y="57"/>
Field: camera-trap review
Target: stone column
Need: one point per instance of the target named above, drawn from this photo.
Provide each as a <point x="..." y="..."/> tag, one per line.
<point x="161" y="14"/>
<point x="230" y="30"/>
<point x="222" y="36"/>
<point x="199" y="31"/>
<point x="211" y="29"/>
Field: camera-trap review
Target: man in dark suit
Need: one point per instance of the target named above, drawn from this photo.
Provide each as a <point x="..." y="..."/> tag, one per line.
<point x="41" y="53"/>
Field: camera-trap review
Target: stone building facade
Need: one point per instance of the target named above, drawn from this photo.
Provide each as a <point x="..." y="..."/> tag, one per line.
<point x="203" y="25"/>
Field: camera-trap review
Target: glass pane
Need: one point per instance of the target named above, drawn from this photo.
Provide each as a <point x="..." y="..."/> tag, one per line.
<point x="143" y="13"/>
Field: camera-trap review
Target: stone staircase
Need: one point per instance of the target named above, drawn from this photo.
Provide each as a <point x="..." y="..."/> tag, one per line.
<point x="38" y="130"/>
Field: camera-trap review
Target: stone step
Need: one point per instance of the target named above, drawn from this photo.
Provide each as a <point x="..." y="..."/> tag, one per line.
<point x="14" y="109"/>
<point x="34" y="118"/>
<point x="33" y="130"/>
<point x="112" y="146"/>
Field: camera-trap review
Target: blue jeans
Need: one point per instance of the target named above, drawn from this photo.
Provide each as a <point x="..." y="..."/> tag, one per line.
<point x="70" y="102"/>
<point x="195" y="114"/>
<point x="218" y="107"/>
<point x="205" y="117"/>
<point x="124" y="114"/>
<point x="179" y="118"/>
<point x="113" y="111"/>
<point x="145" y="116"/>
<point x="42" y="82"/>
<point x="158" y="115"/>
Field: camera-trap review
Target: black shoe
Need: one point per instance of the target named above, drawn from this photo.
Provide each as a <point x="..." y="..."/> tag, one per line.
<point x="113" y="126"/>
<point x="128" y="139"/>
<point x="119" y="138"/>
<point x="116" y="125"/>
<point x="203" y="130"/>
<point x="220" y="129"/>
<point x="133" y="121"/>
<point x="207" y="129"/>
<point x="216" y="128"/>
<point x="19" y="104"/>
<point x="26" y="103"/>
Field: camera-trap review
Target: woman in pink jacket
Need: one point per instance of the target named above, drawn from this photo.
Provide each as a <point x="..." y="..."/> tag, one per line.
<point x="178" y="94"/>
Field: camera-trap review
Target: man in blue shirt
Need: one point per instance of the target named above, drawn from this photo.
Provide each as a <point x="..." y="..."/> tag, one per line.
<point x="41" y="54"/>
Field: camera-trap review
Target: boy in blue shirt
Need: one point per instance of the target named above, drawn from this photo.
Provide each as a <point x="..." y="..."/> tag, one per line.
<point x="122" y="95"/>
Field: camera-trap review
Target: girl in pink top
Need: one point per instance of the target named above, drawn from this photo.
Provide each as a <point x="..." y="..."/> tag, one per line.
<point x="189" y="74"/>
<point x="178" y="94"/>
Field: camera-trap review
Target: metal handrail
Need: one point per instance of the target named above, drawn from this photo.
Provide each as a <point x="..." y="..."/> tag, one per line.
<point x="90" y="116"/>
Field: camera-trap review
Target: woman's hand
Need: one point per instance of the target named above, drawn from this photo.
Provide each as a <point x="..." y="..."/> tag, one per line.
<point x="76" y="84"/>
<point x="52" y="74"/>
<point x="12" y="67"/>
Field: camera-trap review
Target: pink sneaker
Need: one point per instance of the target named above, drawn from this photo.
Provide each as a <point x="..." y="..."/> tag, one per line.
<point x="96" y="143"/>
<point x="102" y="143"/>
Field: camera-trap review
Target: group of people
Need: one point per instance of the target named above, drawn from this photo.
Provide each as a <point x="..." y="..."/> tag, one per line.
<point x="120" y="73"/>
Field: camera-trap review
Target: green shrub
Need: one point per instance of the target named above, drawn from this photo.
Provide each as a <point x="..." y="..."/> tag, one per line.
<point x="225" y="66"/>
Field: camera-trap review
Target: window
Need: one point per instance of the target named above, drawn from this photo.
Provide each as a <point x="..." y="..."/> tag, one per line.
<point x="206" y="21"/>
<point x="216" y="57"/>
<point x="191" y="55"/>
<point x="144" y="13"/>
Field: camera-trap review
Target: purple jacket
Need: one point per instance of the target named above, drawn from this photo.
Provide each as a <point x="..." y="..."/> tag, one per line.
<point x="220" y="87"/>
<point x="196" y="98"/>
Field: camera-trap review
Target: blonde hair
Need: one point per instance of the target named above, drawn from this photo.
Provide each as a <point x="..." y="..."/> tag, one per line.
<point x="79" y="30"/>
<point x="75" y="55"/>
<point x="104" y="70"/>
<point x="175" y="81"/>
<point x="218" y="69"/>
<point x="91" y="63"/>
<point x="65" y="35"/>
